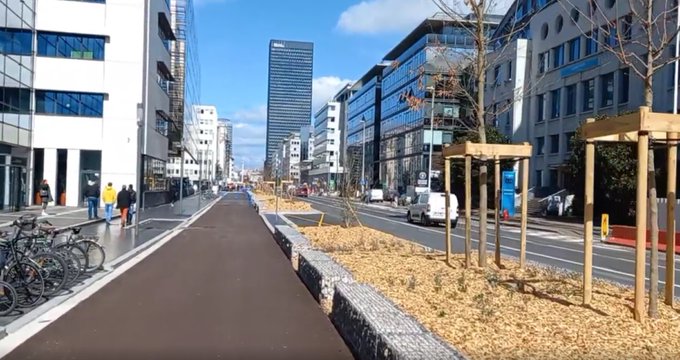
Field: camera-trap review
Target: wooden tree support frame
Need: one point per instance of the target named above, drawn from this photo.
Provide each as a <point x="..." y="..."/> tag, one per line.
<point x="642" y="127"/>
<point x="486" y="152"/>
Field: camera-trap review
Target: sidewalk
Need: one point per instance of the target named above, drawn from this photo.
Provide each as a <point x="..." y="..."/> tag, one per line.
<point x="64" y="216"/>
<point x="222" y="288"/>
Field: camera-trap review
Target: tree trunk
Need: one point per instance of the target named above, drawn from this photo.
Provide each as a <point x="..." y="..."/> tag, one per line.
<point x="653" y="205"/>
<point x="654" y="229"/>
<point x="481" y="128"/>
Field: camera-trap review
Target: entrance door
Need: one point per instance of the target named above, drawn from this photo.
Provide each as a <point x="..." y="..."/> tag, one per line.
<point x="17" y="188"/>
<point x="85" y="177"/>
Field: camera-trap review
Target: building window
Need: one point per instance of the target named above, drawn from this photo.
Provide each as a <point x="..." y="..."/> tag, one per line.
<point x="610" y="33"/>
<point x="16" y="41"/>
<point x="555" y="102"/>
<point x="540" y="144"/>
<point x="543" y="61"/>
<point x="554" y="144"/>
<point x="591" y="42"/>
<point x="162" y="125"/>
<point x="553" y="174"/>
<point x="627" y="27"/>
<point x="539" y="178"/>
<point x="569" y="137"/>
<point x="497" y="74"/>
<point x="575" y="49"/>
<point x="71" y="46"/>
<point x="15" y="100"/>
<point x="509" y="70"/>
<point x="588" y="95"/>
<point x="607" y="90"/>
<point x="540" y="101"/>
<point x="558" y="56"/>
<point x="571" y="99"/>
<point x="624" y="80"/>
<point x="69" y="103"/>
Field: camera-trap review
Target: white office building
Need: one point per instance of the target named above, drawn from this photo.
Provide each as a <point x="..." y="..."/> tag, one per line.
<point x="93" y="66"/>
<point x="203" y="133"/>
<point x="291" y="155"/>
<point x="326" y="167"/>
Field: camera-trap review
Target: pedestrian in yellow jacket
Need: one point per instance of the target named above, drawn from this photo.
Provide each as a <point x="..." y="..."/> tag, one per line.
<point x="109" y="197"/>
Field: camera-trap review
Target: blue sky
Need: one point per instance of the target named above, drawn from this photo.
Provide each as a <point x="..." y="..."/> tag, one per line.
<point x="349" y="37"/>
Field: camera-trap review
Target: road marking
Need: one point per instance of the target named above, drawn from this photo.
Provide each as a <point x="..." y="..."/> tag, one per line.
<point x="515" y="230"/>
<point x="14" y="339"/>
<point x="517" y="250"/>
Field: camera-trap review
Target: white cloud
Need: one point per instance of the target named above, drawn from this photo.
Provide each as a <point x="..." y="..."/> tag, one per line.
<point x="380" y="16"/>
<point x="324" y="88"/>
<point x="250" y="129"/>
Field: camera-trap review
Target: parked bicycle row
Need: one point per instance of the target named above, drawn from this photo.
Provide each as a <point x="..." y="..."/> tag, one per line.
<point x="39" y="261"/>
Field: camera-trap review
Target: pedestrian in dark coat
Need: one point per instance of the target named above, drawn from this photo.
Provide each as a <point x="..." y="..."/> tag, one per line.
<point x="123" y="204"/>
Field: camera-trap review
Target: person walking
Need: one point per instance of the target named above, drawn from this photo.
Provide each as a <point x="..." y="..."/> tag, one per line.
<point x="123" y="204"/>
<point x="109" y="198"/>
<point x="45" y="196"/>
<point x="133" y="204"/>
<point x="92" y="197"/>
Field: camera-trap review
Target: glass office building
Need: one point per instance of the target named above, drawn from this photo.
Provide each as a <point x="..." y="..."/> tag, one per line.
<point x="404" y="129"/>
<point x="289" y="96"/>
<point x="16" y="79"/>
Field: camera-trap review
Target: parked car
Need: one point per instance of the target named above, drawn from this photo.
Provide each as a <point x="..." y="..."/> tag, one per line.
<point x="374" y="195"/>
<point x="302" y="191"/>
<point x="430" y="208"/>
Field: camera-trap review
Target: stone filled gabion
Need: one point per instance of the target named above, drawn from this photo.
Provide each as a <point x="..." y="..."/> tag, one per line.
<point x="320" y="274"/>
<point x="293" y="244"/>
<point x="281" y="232"/>
<point x="375" y="328"/>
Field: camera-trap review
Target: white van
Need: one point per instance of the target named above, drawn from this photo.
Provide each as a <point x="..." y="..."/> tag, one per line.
<point x="374" y="195"/>
<point x="430" y="208"/>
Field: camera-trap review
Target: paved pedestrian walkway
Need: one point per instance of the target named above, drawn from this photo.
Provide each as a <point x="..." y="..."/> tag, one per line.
<point x="221" y="289"/>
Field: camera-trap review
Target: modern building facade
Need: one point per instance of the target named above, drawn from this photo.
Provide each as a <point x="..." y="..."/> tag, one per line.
<point x="326" y="166"/>
<point x="291" y="155"/>
<point x="289" y="95"/>
<point x="204" y="132"/>
<point x="225" y="155"/>
<point x="17" y="24"/>
<point x="362" y="129"/>
<point x="404" y="129"/>
<point x="101" y="70"/>
<point x="568" y="77"/>
<point x="306" y="152"/>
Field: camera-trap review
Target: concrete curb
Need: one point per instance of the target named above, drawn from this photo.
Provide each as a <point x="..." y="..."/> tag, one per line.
<point x="372" y="325"/>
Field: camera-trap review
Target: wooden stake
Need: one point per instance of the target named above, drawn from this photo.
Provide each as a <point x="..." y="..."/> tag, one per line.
<point x="670" y="219"/>
<point x="447" y="193"/>
<point x="641" y="224"/>
<point x="523" y="224"/>
<point x="468" y="210"/>
<point x="497" y="201"/>
<point x="588" y="222"/>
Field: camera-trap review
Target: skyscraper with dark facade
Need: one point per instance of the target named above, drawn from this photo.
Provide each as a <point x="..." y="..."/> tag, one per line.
<point x="289" y="96"/>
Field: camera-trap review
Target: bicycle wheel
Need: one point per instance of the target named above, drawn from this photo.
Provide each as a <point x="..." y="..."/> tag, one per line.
<point x="26" y="278"/>
<point x="78" y="253"/>
<point x="8" y="298"/>
<point x="75" y="266"/>
<point x="54" y="271"/>
<point x="95" y="254"/>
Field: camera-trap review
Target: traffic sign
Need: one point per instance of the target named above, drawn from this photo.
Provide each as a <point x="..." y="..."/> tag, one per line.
<point x="604" y="227"/>
<point x="422" y="178"/>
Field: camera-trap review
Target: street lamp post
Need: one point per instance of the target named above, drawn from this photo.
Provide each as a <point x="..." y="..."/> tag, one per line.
<point x="429" y="172"/>
<point x="363" y="155"/>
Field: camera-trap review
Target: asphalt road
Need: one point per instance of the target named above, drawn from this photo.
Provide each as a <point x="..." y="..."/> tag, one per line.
<point x="609" y="262"/>
<point x="221" y="289"/>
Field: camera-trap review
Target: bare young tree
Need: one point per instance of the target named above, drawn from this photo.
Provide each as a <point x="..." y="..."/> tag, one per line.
<point x="466" y="78"/>
<point x="639" y="39"/>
